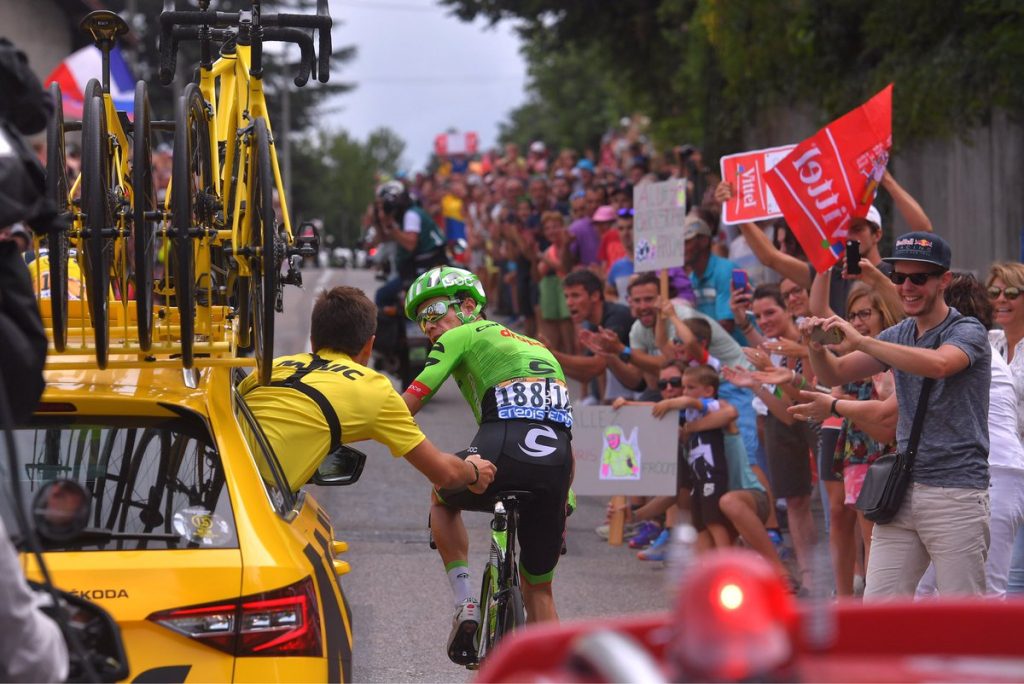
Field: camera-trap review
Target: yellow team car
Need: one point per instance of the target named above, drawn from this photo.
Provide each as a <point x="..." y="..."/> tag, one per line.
<point x="212" y="567"/>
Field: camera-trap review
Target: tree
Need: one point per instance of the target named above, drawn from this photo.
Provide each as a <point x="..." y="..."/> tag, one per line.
<point x="707" y="69"/>
<point x="335" y="177"/>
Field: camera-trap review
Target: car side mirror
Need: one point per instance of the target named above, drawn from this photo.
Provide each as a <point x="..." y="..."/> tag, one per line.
<point x="94" y="629"/>
<point x="60" y="510"/>
<point x="341" y="467"/>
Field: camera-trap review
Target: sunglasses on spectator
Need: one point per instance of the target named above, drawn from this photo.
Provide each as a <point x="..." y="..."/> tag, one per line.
<point x="863" y="314"/>
<point x="898" y="278"/>
<point x="1010" y="293"/>
<point x="674" y="382"/>
<point x="434" y="313"/>
<point x="626" y="211"/>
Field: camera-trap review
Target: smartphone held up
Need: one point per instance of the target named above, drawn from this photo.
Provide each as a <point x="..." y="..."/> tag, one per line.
<point x="853" y="257"/>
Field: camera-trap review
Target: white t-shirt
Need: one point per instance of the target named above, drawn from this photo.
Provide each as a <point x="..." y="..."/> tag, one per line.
<point x="723" y="347"/>
<point x="997" y="338"/>
<point x="1005" y="448"/>
<point x="411" y="222"/>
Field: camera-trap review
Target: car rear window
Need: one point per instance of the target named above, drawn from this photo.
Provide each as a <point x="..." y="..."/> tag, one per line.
<point x="155" y="483"/>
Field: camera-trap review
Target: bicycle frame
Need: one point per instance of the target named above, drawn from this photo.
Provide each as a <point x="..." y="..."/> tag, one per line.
<point x="236" y="103"/>
<point x="119" y="150"/>
<point x="502" y="574"/>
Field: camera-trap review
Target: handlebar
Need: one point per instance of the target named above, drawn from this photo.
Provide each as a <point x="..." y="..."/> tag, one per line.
<point x="253" y="26"/>
<point x="307" y="58"/>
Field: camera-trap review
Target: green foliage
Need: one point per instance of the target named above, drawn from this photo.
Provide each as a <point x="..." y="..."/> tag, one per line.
<point x="571" y="101"/>
<point x="705" y="70"/>
<point x="334" y="177"/>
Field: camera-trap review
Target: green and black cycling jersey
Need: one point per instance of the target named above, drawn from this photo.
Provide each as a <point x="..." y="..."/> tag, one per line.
<point x="502" y="375"/>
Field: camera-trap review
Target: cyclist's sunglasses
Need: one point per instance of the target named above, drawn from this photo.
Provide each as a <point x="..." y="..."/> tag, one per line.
<point x="898" y="278"/>
<point x="434" y="313"/>
<point x="674" y="382"/>
<point x="1010" y="293"/>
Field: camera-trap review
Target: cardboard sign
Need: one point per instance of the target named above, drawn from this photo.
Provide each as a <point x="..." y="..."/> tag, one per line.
<point x="659" y="211"/>
<point x="830" y="179"/>
<point x="753" y="199"/>
<point x="626" y="451"/>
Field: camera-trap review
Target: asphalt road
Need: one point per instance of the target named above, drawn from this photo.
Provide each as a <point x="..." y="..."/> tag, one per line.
<point x="400" y="598"/>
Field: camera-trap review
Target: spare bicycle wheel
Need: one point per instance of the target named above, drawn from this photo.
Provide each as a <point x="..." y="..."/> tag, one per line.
<point x="143" y="202"/>
<point x="265" y="265"/>
<point x="99" y="216"/>
<point x="57" y="235"/>
<point x="191" y="181"/>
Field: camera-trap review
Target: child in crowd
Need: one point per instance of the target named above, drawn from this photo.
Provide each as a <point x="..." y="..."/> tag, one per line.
<point x="727" y="499"/>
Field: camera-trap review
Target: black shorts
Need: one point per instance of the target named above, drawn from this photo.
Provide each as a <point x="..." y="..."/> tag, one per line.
<point x="788" y="449"/>
<point x="529" y="456"/>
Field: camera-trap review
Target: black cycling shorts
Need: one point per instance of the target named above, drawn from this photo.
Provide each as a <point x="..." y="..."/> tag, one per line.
<point x="533" y="457"/>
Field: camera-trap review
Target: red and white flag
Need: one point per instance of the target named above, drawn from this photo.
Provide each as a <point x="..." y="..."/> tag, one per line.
<point x="830" y="179"/>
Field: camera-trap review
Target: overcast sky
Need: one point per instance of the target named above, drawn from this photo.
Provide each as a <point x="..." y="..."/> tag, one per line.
<point x="420" y="71"/>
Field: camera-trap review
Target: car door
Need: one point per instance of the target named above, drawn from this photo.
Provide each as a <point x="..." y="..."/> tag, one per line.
<point x="303" y="522"/>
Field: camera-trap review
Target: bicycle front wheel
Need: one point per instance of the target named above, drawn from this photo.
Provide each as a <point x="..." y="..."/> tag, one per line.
<point x="192" y="179"/>
<point x="99" y="216"/>
<point x="56" y="236"/>
<point x="265" y="277"/>
<point x="490" y="628"/>
<point x="143" y="202"/>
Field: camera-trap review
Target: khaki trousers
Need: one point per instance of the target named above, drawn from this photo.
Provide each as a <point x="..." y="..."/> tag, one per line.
<point x="946" y="526"/>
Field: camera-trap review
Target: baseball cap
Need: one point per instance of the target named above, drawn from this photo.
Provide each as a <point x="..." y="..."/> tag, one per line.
<point x="694" y="226"/>
<point x="603" y="214"/>
<point x="537" y="147"/>
<point x="585" y="165"/>
<point x="920" y="246"/>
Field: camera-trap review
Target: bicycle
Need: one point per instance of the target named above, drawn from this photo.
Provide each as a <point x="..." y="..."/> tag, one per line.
<point x="116" y="202"/>
<point x="225" y="170"/>
<point x="501" y="597"/>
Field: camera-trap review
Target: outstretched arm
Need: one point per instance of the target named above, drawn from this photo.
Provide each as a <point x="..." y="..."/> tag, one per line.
<point x="905" y="203"/>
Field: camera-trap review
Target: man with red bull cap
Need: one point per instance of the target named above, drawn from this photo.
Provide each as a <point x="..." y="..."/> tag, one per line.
<point x="944" y="517"/>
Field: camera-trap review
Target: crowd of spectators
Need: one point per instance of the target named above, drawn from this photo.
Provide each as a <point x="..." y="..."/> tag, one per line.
<point x="551" y="236"/>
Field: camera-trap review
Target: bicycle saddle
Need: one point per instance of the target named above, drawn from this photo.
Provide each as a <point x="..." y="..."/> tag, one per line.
<point x="514" y="496"/>
<point x="103" y="25"/>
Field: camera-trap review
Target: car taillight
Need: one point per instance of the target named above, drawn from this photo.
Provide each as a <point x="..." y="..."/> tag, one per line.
<point x="283" y="622"/>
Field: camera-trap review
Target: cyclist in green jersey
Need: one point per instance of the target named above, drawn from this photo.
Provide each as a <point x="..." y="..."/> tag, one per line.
<point x="519" y="398"/>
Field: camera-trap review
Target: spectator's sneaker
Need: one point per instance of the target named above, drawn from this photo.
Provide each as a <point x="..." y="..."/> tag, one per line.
<point x="461" y="641"/>
<point x="645" y="534"/>
<point x="779" y="543"/>
<point x="658" y="550"/>
<point x="628" y="531"/>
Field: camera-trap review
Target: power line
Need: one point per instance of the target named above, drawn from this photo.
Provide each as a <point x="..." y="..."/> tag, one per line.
<point x="388" y="6"/>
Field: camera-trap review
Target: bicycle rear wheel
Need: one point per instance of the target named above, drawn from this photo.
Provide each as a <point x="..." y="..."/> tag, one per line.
<point x="266" y="265"/>
<point x="515" y="611"/>
<point x="56" y="236"/>
<point x="99" y="215"/>
<point x="191" y="180"/>
<point x="143" y="201"/>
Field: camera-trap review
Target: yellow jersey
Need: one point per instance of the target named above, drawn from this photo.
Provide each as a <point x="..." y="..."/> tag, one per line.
<point x="366" y="404"/>
<point x="39" y="269"/>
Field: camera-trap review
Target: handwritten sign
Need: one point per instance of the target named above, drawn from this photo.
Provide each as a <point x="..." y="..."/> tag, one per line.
<point x="658" y="225"/>
<point x="626" y="451"/>
<point x="753" y="199"/>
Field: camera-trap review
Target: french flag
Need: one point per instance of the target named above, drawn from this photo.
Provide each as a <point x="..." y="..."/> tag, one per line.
<point x="75" y="71"/>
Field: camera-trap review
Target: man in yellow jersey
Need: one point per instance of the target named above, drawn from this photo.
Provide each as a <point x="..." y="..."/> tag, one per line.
<point x="317" y="402"/>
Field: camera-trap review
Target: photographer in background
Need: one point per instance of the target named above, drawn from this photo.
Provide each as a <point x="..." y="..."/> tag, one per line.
<point x="32" y="648"/>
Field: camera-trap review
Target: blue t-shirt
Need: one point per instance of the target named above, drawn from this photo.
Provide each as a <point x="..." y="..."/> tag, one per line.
<point x="712" y="288"/>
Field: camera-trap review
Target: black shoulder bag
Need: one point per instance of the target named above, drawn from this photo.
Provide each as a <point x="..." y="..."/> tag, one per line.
<point x="887" y="479"/>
